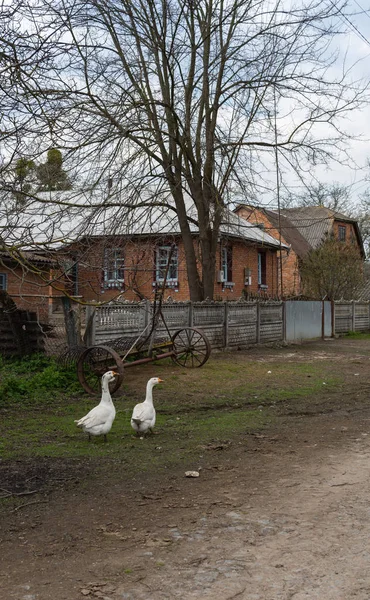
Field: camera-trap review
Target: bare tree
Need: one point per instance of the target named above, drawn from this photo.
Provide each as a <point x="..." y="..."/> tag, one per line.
<point x="337" y="197"/>
<point x="334" y="195"/>
<point x="186" y="101"/>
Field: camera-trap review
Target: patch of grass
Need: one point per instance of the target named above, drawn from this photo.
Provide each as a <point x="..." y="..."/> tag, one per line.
<point x="227" y="398"/>
<point x="35" y="380"/>
<point x="357" y="335"/>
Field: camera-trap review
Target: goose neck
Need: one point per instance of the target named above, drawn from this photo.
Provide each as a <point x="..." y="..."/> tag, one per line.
<point x="106" y="397"/>
<point x="149" y="393"/>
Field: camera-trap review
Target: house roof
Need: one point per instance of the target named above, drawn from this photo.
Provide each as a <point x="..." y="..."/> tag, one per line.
<point x="290" y="233"/>
<point x="59" y="218"/>
<point x="29" y="256"/>
<point x="362" y="292"/>
<point x="305" y="228"/>
<point x="314" y="223"/>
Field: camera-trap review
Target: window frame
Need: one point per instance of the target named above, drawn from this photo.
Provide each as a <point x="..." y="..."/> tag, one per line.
<point x="114" y="264"/>
<point x="4" y="286"/>
<point x="262" y="270"/>
<point x="342" y="233"/>
<point x="227" y="263"/>
<point x="160" y="267"/>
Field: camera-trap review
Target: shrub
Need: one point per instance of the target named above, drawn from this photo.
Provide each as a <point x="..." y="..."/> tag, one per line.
<point x="35" y="379"/>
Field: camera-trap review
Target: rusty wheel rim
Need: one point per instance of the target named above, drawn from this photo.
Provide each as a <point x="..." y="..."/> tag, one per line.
<point x="191" y="347"/>
<point x="93" y="363"/>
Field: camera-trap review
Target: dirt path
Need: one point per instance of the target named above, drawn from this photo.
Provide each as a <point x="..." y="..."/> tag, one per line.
<point x="279" y="516"/>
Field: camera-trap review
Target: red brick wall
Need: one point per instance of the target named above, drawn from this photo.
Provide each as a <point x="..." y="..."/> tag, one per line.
<point x="246" y="257"/>
<point x="351" y="236"/>
<point x="290" y="265"/>
<point x="28" y="290"/>
<point x="139" y="272"/>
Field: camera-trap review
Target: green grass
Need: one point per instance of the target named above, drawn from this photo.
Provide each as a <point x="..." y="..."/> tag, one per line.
<point x="357" y="335"/>
<point x="35" y="380"/>
<point x="227" y="398"/>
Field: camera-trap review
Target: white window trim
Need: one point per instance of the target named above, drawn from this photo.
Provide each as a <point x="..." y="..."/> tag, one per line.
<point x="224" y="268"/>
<point x="170" y="281"/>
<point x="110" y="256"/>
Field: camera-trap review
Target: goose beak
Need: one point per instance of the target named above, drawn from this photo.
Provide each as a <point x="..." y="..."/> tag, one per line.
<point x="160" y="380"/>
<point x="114" y="373"/>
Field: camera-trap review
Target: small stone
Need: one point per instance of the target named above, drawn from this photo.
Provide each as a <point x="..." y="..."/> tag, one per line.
<point x="191" y="473"/>
<point x="85" y="592"/>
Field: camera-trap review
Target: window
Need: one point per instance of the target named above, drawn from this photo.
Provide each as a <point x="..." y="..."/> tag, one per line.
<point x="114" y="267"/>
<point x="3" y="281"/>
<point x="342" y="233"/>
<point x="227" y="263"/>
<point x="162" y="257"/>
<point x="262" y="269"/>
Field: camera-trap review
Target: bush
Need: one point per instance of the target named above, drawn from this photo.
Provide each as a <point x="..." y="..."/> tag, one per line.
<point x="33" y="379"/>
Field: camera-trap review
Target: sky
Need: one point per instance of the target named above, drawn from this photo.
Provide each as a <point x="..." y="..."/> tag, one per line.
<point x="355" y="47"/>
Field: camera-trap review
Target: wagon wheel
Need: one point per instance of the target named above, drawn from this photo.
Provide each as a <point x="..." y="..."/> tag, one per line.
<point x="93" y="363"/>
<point x="191" y="347"/>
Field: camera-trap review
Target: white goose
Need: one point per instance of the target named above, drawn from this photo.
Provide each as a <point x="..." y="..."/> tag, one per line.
<point x="143" y="415"/>
<point x="100" y="419"/>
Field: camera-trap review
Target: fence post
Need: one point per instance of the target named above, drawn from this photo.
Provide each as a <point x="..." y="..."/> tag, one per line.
<point x="258" y="332"/>
<point x="147" y="312"/>
<point x="353" y="316"/>
<point x="190" y="314"/>
<point x="89" y="335"/>
<point x="284" y="320"/>
<point x="226" y="324"/>
<point x="322" y="319"/>
<point x="70" y="322"/>
<point x="332" y="318"/>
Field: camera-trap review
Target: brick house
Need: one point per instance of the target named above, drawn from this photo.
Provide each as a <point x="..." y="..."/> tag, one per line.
<point x="302" y="229"/>
<point x="102" y="253"/>
<point x="133" y="266"/>
<point x="27" y="282"/>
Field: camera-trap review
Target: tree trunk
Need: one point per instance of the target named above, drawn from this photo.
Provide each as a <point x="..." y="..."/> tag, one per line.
<point x="194" y="280"/>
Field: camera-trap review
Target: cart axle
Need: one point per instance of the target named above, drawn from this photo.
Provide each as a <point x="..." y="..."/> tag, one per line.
<point x="142" y="361"/>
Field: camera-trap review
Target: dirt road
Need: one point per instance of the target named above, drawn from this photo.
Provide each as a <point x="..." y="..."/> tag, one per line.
<point x="283" y="515"/>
